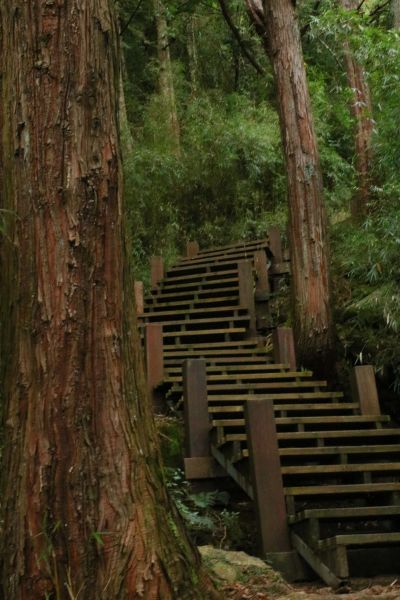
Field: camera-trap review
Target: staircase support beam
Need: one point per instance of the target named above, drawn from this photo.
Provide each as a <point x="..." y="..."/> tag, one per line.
<point x="156" y="270"/>
<point x="246" y="292"/>
<point x="365" y="391"/>
<point x="266" y="475"/>
<point x="192" y="249"/>
<point x="284" y="349"/>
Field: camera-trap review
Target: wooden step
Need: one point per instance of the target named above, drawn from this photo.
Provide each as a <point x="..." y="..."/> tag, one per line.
<point x="172" y="279"/>
<point x="276" y="397"/>
<point x="154" y="308"/>
<point x="251" y="344"/>
<point x="238" y="408"/>
<point x="241" y="377"/>
<point x="341" y="450"/>
<point x="223" y="360"/>
<point x="351" y="419"/>
<point x="193" y="312"/>
<point x="253" y="387"/>
<point x="355" y="512"/>
<point x="358" y="488"/>
<point x="339" y="468"/>
<point x="267" y="367"/>
<point x="359" y="539"/>
<point x="215" y="253"/>
<point x="322" y="435"/>
<point x="229" y="321"/>
<point x="228" y="247"/>
<point x="204" y="332"/>
<point x="206" y="286"/>
<point x="195" y="294"/>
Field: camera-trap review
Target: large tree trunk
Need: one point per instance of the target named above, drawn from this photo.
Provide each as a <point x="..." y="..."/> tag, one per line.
<point x="361" y="109"/>
<point x="165" y="78"/>
<point x="84" y="510"/>
<point x="275" y="20"/>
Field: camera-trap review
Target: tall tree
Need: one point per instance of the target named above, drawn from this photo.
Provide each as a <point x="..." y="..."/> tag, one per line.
<point x="84" y="510"/>
<point x="396" y="13"/>
<point x="165" y="76"/>
<point x="361" y="109"/>
<point x="276" y="22"/>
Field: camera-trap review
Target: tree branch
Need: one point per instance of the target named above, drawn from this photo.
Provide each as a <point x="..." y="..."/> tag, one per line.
<point x="238" y="38"/>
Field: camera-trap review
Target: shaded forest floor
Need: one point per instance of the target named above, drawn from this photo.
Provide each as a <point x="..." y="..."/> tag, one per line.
<point x="244" y="577"/>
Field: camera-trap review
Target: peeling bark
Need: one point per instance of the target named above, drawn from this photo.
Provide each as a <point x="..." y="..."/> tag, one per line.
<point x="361" y="109"/>
<point x="84" y="510"/>
<point x="276" y="22"/>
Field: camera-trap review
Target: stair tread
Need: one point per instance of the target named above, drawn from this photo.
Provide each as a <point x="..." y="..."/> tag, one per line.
<point x="290" y="407"/>
<point x="192" y="293"/>
<point x="205" y="286"/>
<point x="357" y="539"/>
<point x="250" y="376"/>
<point x="284" y="396"/>
<point x="195" y="332"/>
<point x="305" y="420"/>
<point x="345" y="513"/>
<point x="259" y="386"/>
<point x="362" y="449"/>
<point x="351" y="488"/>
<point x="347" y="468"/>
<point x="193" y="311"/>
<point x="231" y="319"/>
<point x="265" y="367"/>
<point x="150" y="306"/>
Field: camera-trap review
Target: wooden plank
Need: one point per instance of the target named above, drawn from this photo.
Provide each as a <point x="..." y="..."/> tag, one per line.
<point x="283" y="346"/>
<point x="246" y="292"/>
<point x="346" y="513"/>
<point x="363" y="449"/>
<point x="261" y="269"/>
<point x="344" y="433"/>
<point x="153" y="355"/>
<point x="315" y="562"/>
<point x="192" y="249"/>
<point x="293" y="421"/>
<point x="275" y="244"/>
<point x="347" y="468"/>
<point x="156" y="270"/>
<point x="196" y="293"/>
<point x="266" y="476"/>
<point x="202" y="467"/>
<point x="268" y="374"/>
<point x="358" y="488"/>
<point x="196" y="418"/>
<point x="276" y="397"/>
<point x="237" y="408"/>
<point x="195" y="287"/>
<point x="360" y="539"/>
<point x="193" y="311"/>
<point x="139" y="298"/>
<point x="364" y="389"/>
<point x="169" y="334"/>
<point x="229" y="467"/>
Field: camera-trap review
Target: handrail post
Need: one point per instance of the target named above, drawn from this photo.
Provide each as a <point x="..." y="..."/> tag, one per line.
<point x="246" y="292"/>
<point x="261" y="266"/>
<point x="364" y="389"/>
<point x="153" y="337"/>
<point x="139" y="298"/>
<point x="192" y="249"/>
<point x="275" y="244"/>
<point x="284" y="348"/>
<point x="157" y="270"/>
<point x="266" y="474"/>
<point x="199" y="464"/>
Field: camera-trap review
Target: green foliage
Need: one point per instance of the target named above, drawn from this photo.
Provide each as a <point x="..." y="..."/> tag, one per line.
<point x="205" y="514"/>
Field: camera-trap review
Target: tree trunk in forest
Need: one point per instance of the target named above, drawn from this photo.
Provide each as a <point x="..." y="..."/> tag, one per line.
<point x="165" y="77"/>
<point x="361" y="109"/>
<point x="84" y="509"/>
<point x="276" y="22"/>
<point x="396" y="13"/>
<point x="192" y="53"/>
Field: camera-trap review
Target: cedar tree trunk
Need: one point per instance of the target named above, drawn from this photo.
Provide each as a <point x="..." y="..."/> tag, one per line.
<point x="165" y="77"/>
<point x="361" y="109"/>
<point x="276" y="22"/>
<point x="396" y="13"/>
<point x="84" y="511"/>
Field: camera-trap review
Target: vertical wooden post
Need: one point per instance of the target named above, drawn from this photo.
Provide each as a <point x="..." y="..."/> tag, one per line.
<point x="266" y="474"/>
<point x="284" y="350"/>
<point x="139" y="298"/>
<point x="275" y="244"/>
<point x="246" y="292"/>
<point x="157" y="270"/>
<point x="199" y="464"/>
<point x="192" y="249"/>
<point x="364" y="390"/>
<point x="154" y="357"/>
<point x="261" y="267"/>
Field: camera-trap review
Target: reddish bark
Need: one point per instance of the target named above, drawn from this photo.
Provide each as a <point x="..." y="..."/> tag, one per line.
<point x="276" y="22"/>
<point x="84" y="508"/>
<point x="361" y="109"/>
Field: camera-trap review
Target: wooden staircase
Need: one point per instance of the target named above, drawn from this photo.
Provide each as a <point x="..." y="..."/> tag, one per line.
<point x="322" y="470"/>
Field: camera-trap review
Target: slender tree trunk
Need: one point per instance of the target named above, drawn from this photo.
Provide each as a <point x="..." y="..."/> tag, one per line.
<point x="165" y="79"/>
<point x="396" y="13"/>
<point x="276" y="22"/>
<point x="126" y="134"/>
<point x="84" y="510"/>
<point x="361" y="109"/>
<point x="192" y="53"/>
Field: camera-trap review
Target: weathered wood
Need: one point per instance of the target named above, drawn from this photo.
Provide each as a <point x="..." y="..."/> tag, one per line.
<point x="364" y="390"/>
<point x="283" y="344"/>
<point x="202" y="467"/>
<point x="275" y="244"/>
<point x="157" y="270"/>
<point x="153" y="337"/>
<point x="192" y="249"/>
<point x="261" y="268"/>
<point x="139" y="297"/>
<point x="246" y="292"/>
<point x="266" y="476"/>
<point x="196" y="418"/>
<point x="315" y="562"/>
